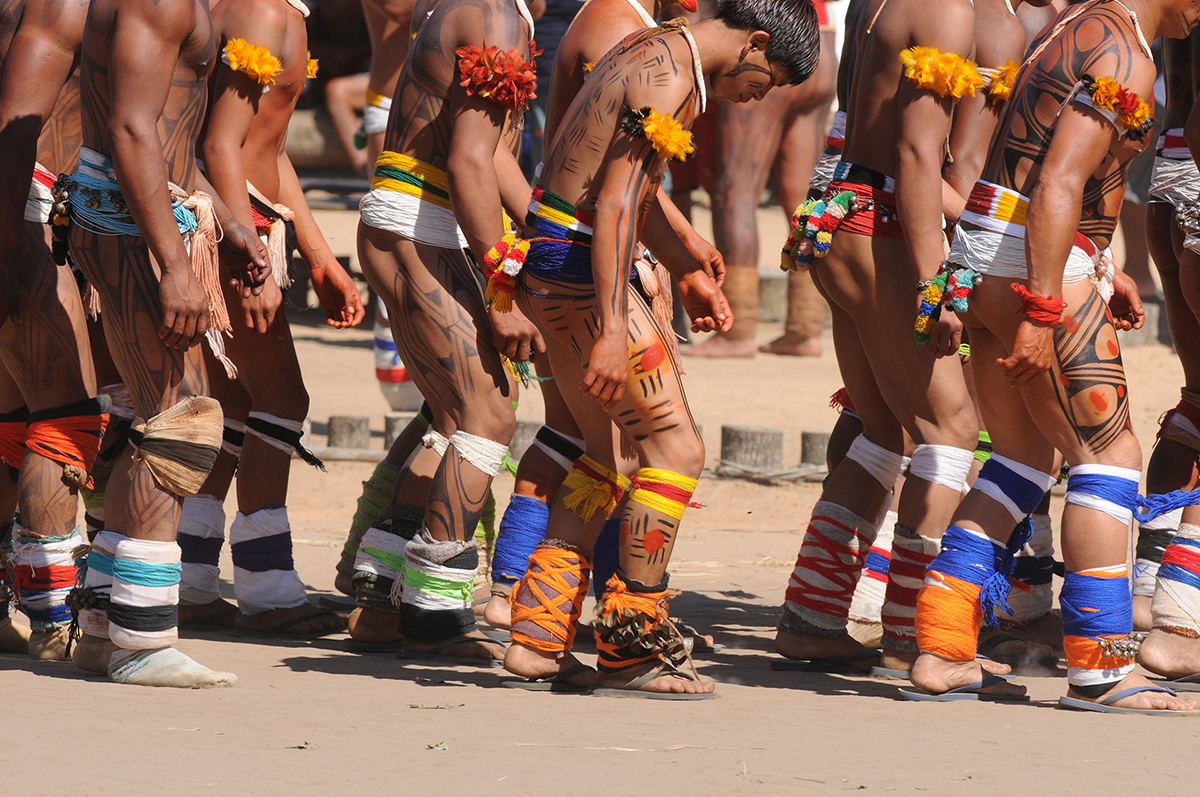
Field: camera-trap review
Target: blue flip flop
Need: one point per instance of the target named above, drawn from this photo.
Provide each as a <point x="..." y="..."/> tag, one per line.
<point x="1184" y="683"/>
<point x="1106" y="706"/>
<point x="967" y="692"/>
<point x="833" y="664"/>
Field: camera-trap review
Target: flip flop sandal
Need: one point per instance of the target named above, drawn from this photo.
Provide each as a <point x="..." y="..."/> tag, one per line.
<point x="1106" y="706"/>
<point x="212" y="619"/>
<point x="634" y="687"/>
<point x="833" y="664"/>
<point x="501" y="635"/>
<point x="354" y="646"/>
<point x="558" y="682"/>
<point x="700" y="643"/>
<point x="435" y="653"/>
<point x="1047" y="661"/>
<point x="968" y="692"/>
<point x="888" y="672"/>
<point x="339" y="603"/>
<point x="1184" y="683"/>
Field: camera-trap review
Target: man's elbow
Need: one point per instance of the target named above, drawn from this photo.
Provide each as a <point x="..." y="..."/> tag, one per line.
<point x="469" y="164"/>
<point x="1057" y="190"/>
<point x="132" y="136"/>
<point x="919" y="156"/>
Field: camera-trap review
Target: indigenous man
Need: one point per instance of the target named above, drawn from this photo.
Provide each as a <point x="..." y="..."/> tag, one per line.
<point x="133" y="211"/>
<point x="1047" y="365"/>
<point x="439" y="187"/>
<point x="886" y="236"/>
<point x="608" y="156"/>
<point x="598" y="27"/>
<point x="265" y="65"/>
<point x="50" y="418"/>
<point x="782" y="135"/>
<point x="1175" y="182"/>
<point x="388" y="23"/>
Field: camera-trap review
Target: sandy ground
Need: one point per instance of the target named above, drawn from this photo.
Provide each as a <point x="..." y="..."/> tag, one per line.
<point x="308" y="718"/>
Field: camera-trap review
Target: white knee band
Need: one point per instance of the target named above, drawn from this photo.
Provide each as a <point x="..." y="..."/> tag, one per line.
<point x="1002" y="480"/>
<point x="1089" y="501"/>
<point x="944" y="465"/>
<point x="876" y="460"/>
<point x="435" y="441"/>
<point x="375" y="118"/>
<point x="486" y="455"/>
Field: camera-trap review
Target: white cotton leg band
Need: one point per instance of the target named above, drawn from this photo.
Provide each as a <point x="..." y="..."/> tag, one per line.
<point x="375" y="118"/>
<point x="284" y="423"/>
<point x="885" y="466"/>
<point x="1176" y="603"/>
<point x="201" y="532"/>
<point x="996" y="490"/>
<point x="1153" y="538"/>
<point x="486" y="455"/>
<point x="944" y="465"/>
<point x="99" y="579"/>
<point x="264" y="573"/>
<point x="234" y="431"/>
<point x="1089" y="501"/>
<point x="867" y="604"/>
<point x="142" y="612"/>
<point x="435" y="441"/>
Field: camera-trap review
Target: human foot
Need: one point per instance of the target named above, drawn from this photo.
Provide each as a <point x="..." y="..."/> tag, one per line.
<point x="165" y="667"/>
<point x="344" y="583"/>
<point x="93" y="653"/>
<point x="1169" y="654"/>
<point x="938" y="676"/>
<point x="220" y="613"/>
<point x="302" y="620"/>
<point x="868" y="635"/>
<point x="812" y="648"/>
<point x="374" y="626"/>
<point x="656" y="677"/>
<point x="530" y="662"/>
<point x="901" y="661"/>
<point x="721" y="346"/>
<point x="794" y="344"/>
<point x="50" y="645"/>
<point x="1155" y="699"/>
<point x="473" y="646"/>
<point x="498" y="612"/>
<point x="13" y="638"/>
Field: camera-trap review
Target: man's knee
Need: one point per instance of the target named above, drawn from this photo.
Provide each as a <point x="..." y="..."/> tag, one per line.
<point x="684" y="456"/>
<point x="180" y="444"/>
<point x="291" y="403"/>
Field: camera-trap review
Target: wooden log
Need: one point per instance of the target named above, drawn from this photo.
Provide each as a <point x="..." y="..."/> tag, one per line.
<point x="752" y="446"/>
<point x="349" y="431"/>
<point x="813" y="446"/>
<point x="523" y="437"/>
<point x="393" y="424"/>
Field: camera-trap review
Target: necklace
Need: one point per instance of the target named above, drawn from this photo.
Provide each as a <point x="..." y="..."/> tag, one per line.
<point x="647" y="20"/>
<point x="697" y="71"/>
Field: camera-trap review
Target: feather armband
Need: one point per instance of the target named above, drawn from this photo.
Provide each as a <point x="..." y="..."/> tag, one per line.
<point x="945" y="74"/>
<point x="1125" y="109"/>
<point x="252" y="60"/>
<point x="999" y="82"/>
<point x="668" y="137"/>
<point x="503" y="77"/>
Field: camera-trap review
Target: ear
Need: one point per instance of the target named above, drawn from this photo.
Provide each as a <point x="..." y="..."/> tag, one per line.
<point x="759" y="40"/>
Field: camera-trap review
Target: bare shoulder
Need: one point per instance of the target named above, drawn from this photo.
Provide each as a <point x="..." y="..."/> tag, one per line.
<point x="264" y="15"/>
<point x="657" y="72"/>
<point x="1000" y="36"/>
<point x="948" y="25"/>
<point x="493" y="22"/>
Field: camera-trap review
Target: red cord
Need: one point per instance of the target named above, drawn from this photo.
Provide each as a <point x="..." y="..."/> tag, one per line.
<point x="1040" y="309"/>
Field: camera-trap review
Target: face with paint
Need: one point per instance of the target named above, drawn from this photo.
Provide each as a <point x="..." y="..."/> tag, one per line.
<point x="752" y="75"/>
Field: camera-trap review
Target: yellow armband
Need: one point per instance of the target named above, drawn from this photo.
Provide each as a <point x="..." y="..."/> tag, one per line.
<point x="945" y="74"/>
<point x="999" y="82"/>
<point x="663" y="131"/>
<point x="1126" y="110"/>
<point x="313" y="64"/>
<point x="253" y="60"/>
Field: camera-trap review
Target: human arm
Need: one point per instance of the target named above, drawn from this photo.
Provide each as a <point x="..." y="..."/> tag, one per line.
<point x="514" y="188"/>
<point x="337" y="293"/>
<point x="682" y="249"/>
<point x="40" y="58"/>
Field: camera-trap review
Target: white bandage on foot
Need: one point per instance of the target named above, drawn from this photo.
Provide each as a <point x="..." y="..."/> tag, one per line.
<point x="885" y="466"/>
<point x="944" y="465"/>
<point x="142" y="612"/>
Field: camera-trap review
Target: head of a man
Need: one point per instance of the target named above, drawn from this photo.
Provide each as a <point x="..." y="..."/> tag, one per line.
<point x="778" y="43"/>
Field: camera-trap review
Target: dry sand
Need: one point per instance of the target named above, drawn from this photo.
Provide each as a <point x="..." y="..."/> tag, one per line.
<point x="308" y="718"/>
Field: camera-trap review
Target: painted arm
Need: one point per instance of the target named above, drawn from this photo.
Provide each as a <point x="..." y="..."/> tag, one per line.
<point x="335" y="289"/>
<point x="41" y="56"/>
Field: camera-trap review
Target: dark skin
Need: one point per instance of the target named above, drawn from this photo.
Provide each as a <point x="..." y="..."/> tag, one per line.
<point x="1070" y="386"/>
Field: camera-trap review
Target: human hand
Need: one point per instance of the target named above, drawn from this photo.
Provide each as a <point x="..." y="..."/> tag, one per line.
<point x="708" y="259"/>
<point x="704" y="303"/>
<point x="246" y="258"/>
<point x="1032" y="353"/>
<point x="185" y="308"/>
<point x="338" y="295"/>
<point x="261" y="310"/>
<point x="1126" y="302"/>
<point x="515" y="336"/>
<point x="607" y="369"/>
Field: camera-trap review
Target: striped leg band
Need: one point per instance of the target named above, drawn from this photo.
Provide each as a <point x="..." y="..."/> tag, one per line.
<point x="1176" y="605"/>
<point x="92" y="605"/>
<point x="233" y="437"/>
<point x="1097" y="612"/>
<point x="142" y="611"/>
<point x="1153" y="538"/>
<point x="549" y="599"/>
<point x="561" y="448"/>
<point x="593" y="487"/>
<point x="439" y="582"/>
<point x="283" y="434"/>
<point x="379" y="566"/>
<point x="911" y="556"/>
<point x="376" y="494"/>
<point x="264" y="573"/>
<point x="836" y="543"/>
<point x="201" y="535"/>
<point x="867" y="604"/>
<point x="45" y="573"/>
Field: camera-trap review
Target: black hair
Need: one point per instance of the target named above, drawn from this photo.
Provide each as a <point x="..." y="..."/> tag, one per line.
<point x="792" y="24"/>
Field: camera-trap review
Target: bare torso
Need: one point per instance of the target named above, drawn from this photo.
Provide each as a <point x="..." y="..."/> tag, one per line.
<point x="1030" y="115"/>
<point x="268" y="132"/>
<point x="183" y="113"/>
<point x="873" y="111"/>
<point x="574" y="168"/>
<point x="1181" y="70"/>
<point x="420" y="125"/>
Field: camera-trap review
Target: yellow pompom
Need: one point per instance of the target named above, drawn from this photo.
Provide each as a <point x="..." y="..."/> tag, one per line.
<point x="1000" y="86"/>
<point x="253" y="60"/>
<point x="1104" y="93"/>
<point x="945" y="74"/>
<point x="313" y="64"/>
<point x="667" y="136"/>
